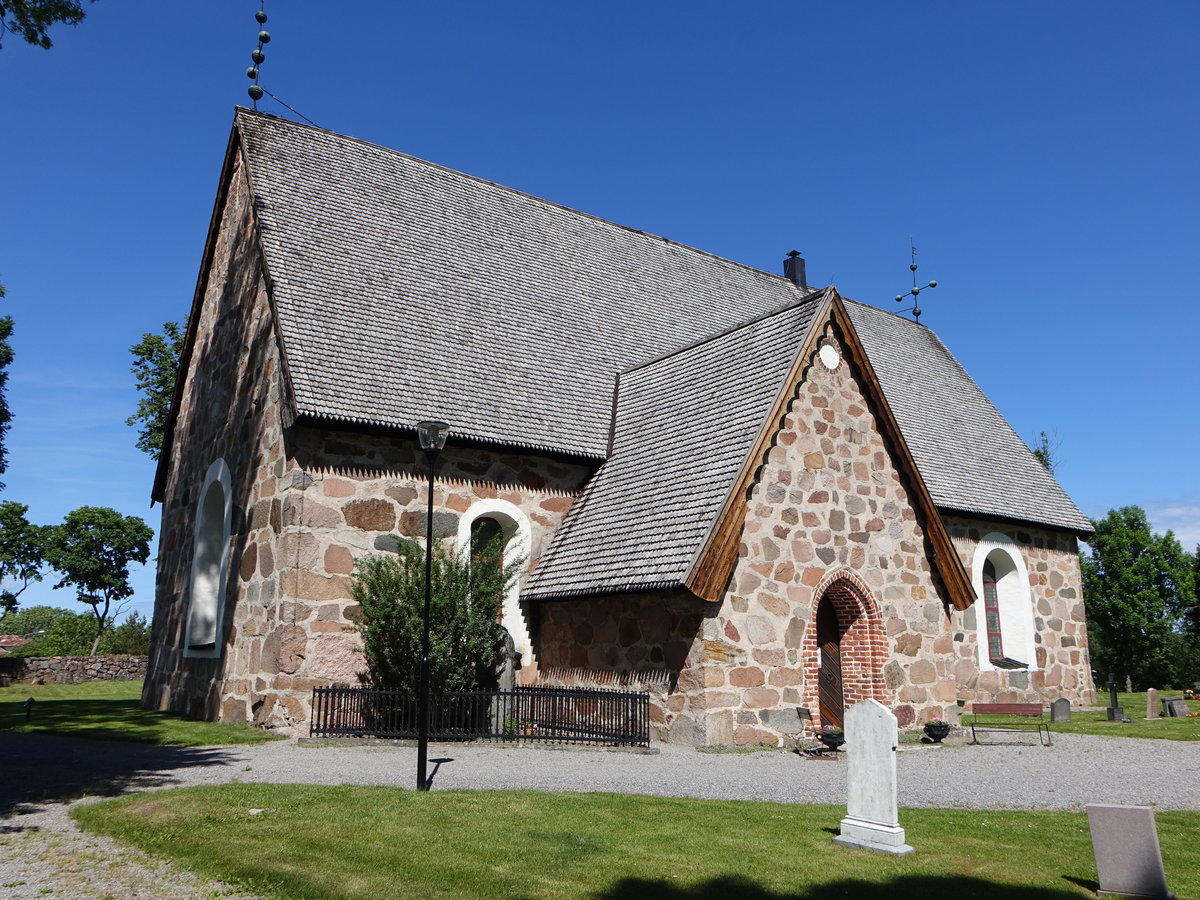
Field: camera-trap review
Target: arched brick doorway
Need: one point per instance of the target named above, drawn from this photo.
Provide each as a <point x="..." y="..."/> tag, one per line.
<point x="845" y="648"/>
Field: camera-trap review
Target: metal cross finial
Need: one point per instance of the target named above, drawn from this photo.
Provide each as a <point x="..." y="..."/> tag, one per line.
<point x="915" y="291"/>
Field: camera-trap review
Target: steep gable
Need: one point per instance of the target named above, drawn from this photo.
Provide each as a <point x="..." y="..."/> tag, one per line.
<point x="690" y="433"/>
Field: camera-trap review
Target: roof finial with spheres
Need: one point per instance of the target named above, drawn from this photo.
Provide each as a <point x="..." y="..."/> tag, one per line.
<point x="915" y="291"/>
<point x="264" y="37"/>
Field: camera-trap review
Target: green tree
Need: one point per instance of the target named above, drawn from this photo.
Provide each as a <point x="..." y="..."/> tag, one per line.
<point x="33" y="620"/>
<point x="52" y="631"/>
<point x="131" y="637"/>
<point x="92" y="550"/>
<point x="466" y="639"/>
<point x="31" y="19"/>
<point x="1137" y="585"/>
<point x="22" y="553"/>
<point x="6" y="357"/>
<point x="155" y="361"/>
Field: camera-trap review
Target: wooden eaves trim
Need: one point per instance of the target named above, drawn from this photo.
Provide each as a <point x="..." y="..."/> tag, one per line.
<point x="713" y="565"/>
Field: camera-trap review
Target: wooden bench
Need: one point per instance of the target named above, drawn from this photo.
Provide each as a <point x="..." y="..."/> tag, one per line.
<point x="1018" y="717"/>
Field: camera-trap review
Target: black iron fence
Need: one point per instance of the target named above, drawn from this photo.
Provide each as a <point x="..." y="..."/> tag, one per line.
<point x="551" y="714"/>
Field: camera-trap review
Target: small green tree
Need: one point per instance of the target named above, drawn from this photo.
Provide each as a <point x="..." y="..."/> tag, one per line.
<point x="22" y="553"/>
<point x="131" y="637"/>
<point x="92" y="549"/>
<point x="466" y="639"/>
<point x="1045" y="450"/>
<point x="1137" y="585"/>
<point x="155" y="361"/>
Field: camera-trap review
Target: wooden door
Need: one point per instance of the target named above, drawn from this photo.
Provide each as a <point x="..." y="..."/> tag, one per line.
<point x="829" y="677"/>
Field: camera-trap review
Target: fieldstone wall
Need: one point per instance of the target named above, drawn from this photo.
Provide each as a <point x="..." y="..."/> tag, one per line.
<point x="229" y="409"/>
<point x="829" y="516"/>
<point x="73" y="669"/>
<point x="341" y="496"/>
<point x="1062" y="664"/>
<point x="307" y="502"/>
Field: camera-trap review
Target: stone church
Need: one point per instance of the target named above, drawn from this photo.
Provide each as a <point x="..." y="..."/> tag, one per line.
<point x="741" y="493"/>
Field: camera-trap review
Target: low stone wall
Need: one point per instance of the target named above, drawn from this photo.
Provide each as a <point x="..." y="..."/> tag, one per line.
<point x="72" y="669"/>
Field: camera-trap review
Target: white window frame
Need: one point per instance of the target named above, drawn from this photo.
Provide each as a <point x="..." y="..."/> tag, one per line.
<point x="210" y="560"/>
<point x="1014" y="597"/>
<point x="518" y="541"/>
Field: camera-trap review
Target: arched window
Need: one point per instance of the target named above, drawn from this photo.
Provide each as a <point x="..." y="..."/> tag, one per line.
<point x="480" y="525"/>
<point x="991" y="607"/>
<point x="210" y="555"/>
<point x="487" y="533"/>
<point x="1004" y="620"/>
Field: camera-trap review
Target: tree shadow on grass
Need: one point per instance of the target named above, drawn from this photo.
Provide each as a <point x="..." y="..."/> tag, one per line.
<point x="902" y="887"/>
<point x="37" y="769"/>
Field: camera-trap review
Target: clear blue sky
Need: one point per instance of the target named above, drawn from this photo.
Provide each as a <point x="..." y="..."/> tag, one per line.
<point x="1043" y="156"/>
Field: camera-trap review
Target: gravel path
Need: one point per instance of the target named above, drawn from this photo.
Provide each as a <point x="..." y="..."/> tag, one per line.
<point x="41" y="776"/>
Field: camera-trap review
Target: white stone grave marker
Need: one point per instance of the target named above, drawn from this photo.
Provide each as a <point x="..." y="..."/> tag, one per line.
<point x="1152" y="704"/>
<point x="1128" y="858"/>
<point x="871" y="814"/>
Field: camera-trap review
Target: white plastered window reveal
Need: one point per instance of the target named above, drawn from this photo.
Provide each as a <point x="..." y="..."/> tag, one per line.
<point x="210" y="563"/>
<point x="1014" y="599"/>
<point x="518" y="541"/>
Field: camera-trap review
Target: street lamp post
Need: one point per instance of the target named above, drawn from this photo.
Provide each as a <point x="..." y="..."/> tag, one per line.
<point x="433" y="438"/>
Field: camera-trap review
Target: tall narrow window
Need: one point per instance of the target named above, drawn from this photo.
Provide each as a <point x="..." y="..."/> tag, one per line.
<point x="991" y="607"/>
<point x="210" y="551"/>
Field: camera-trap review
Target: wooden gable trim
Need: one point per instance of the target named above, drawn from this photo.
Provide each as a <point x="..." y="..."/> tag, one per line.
<point x="711" y="569"/>
<point x="713" y="563"/>
<point x="946" y="560"/>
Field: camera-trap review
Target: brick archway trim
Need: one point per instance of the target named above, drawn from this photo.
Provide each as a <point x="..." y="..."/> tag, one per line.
<point x="864" y="644"/>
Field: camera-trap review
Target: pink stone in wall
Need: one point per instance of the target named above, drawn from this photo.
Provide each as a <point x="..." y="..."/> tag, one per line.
<point x="336" y="487"/>
<point x="337" y="657"/>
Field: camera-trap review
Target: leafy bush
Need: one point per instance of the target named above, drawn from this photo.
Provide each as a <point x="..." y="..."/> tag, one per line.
<point x="466" y="639"/>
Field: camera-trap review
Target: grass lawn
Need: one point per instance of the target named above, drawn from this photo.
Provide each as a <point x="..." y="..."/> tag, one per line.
<point x="1095" y="721"/>
<point x="111" y="710"/>
<point x="299" y="841"/>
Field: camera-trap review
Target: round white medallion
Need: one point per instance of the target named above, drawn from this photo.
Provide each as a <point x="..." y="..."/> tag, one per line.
<point x="829" y="356"/>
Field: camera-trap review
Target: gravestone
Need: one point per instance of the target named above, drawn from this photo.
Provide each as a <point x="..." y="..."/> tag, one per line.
<point x="871" y="818"/>
<point x="1128" y="858"/>
<point x="1060" y="710"/>
<point x="1175" y="706"/>
<point x="1115" y="713"/>
<point x="1152" y="704"/>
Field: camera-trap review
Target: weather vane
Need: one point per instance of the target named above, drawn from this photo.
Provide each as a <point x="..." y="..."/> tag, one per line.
<point x="264" y="37"/>
<point x="915" y="291"/>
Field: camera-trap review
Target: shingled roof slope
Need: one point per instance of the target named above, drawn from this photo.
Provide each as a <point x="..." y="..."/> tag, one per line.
<point x="407" y="291"/>
<point x="969" y="457"/>
<point x="684" y="426"/>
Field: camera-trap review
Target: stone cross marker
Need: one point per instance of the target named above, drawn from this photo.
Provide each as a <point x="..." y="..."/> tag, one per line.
<point x="1152" y="704"/>
<point x="1128" y="858"/>
<point x="1060" y="710"/>
<point x="871" y="818"/>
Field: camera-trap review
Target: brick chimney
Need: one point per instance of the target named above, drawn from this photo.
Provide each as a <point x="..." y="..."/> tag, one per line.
<point x="793" y="270"/>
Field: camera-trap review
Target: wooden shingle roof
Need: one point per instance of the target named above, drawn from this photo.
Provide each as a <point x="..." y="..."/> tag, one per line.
<point x="404" y="291"/>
